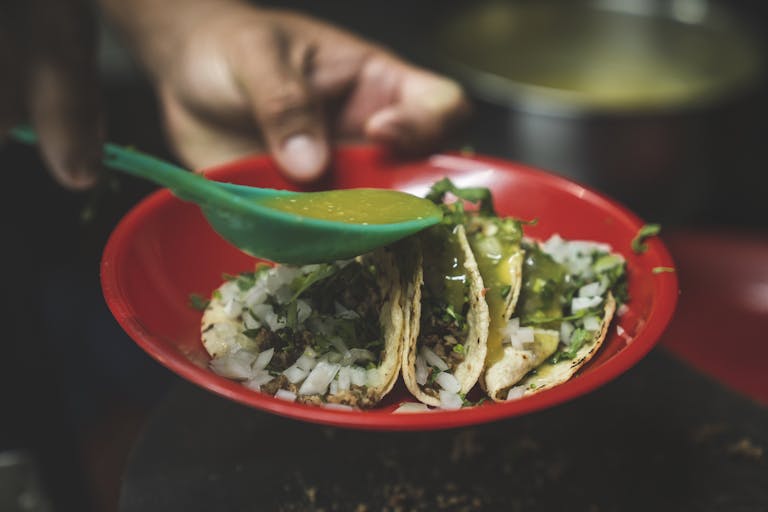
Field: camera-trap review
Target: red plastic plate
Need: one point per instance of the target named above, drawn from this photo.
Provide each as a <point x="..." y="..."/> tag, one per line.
<point x="164" y="250"/>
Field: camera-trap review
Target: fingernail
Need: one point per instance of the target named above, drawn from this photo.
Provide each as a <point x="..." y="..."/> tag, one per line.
<point x="303" y="157"/>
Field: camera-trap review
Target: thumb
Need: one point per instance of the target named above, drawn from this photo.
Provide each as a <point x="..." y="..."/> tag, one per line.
<point x="289" y="116"/>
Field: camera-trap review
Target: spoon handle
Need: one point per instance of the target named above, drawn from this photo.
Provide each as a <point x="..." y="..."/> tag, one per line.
<point x="184" y="184"/>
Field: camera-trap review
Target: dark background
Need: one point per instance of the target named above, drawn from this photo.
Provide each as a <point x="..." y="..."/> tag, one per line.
<point x="74" y="390"/>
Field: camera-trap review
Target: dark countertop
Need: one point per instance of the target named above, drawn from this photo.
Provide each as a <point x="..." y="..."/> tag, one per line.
<point x="662" y="437"/>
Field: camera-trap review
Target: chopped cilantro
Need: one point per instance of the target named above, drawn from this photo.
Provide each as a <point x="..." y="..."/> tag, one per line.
<point x="198" y="302"/>
<point x="216" y="294"/>
<point x="244" y="280"/>
<point x="459" y="348"/>
<point x="578" y="338"/>
<point x="505" y="291"/>
<point x="638" y="243"/>
<point x="662" y="270"/>
<point x="302" y="283"/>
<point x="453" y="314"/>
<point x="251" y="333"/>
<point x="370" y="366"/>
<point x="477" y="195"/>
<point x="433" y="376"/>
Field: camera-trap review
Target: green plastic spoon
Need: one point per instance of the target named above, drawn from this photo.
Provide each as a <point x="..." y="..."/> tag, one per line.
<point x="243" y="216"/>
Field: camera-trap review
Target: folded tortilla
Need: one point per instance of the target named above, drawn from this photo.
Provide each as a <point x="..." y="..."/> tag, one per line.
<point x="496" y="245"/>
<point x="561" y="318"/>
<point x="447" y="325"/>
<point x="330" y="333"/>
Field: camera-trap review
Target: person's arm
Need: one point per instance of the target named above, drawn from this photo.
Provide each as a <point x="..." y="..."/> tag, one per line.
<point x="48" y="59"/>
<point x="234" y="78"/>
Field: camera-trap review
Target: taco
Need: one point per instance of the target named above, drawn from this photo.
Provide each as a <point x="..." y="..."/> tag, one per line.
<point x="320" y="334"/>
<point x="567" y="300"/>
<point x="497" y="245"/>
<point x="448" y="322"/>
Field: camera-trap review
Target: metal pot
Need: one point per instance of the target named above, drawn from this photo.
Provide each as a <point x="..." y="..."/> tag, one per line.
<point x="628" y="96"/>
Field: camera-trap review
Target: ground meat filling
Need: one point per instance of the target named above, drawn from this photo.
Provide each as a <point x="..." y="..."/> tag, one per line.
<point x="345" y="307"/>
<point x="442" y="335"/>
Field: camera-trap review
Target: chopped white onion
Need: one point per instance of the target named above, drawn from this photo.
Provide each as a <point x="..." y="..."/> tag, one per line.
<point x="450" y="401"/>
<point x="523" y="335"/>
<point x="319" y="378"/>
<point x="303" y="310"/>
<point x="490" y="247"/>
<point x="448" y="382"/>
<point x="249" y="321"/>
<point x="339" y="407"/>
<point x="256" y="295"/>
<point x="517" y="336"/>
<point x="433" y="359"/>
<point x="580" y="265"/>
<point x="344" y="378"/>
<point x="407" y="407"/>
<point x="555" y="247"/>
<point x="284" y="394"/>
<point x="566" y="330"/>
<point x="422" y="372"/>
<point x="274" y="322"/>
<point x="306" y="362"/>
<point x="580" y="303"/>
<point x="263" y="359"/>
<point x="281" y="275"/>
<point x="516" y="392"/>
<point x="595" y="289"/>
<point x="294" y="374"/>
<point x="511" y="328"/>
<point x="373" y="377"/>
<point x="592" y="323"/>
<point x="235" y="365"/>
<point x="260" y="311"/>
<point x="229" y="291"/>
<point x="623" y="310"/>
<point x="232" y="308"/>
<point x="260" y="378"/>
<point x="357" y="375"/>
<point x="333" y="389"/>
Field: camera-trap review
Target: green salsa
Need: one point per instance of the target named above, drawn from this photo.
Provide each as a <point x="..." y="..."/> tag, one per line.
<point x="497" y="255"/>
<point x="356" y="206"/>
<point x="544" y="285"/>
<point x="444" y="273"/>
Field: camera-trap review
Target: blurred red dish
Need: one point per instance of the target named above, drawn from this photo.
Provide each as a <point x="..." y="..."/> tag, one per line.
<point x="164" y="250"/>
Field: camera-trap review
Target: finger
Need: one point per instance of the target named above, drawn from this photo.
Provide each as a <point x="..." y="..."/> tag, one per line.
<point x="427" y="109"/>
<point x="201" y="142"/>
<point x="289" y="116"/>
<point x="62" y="89"/>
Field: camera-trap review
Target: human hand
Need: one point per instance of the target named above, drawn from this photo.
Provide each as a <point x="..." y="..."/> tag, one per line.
<point x="47" y="54"/>
<point x="234" y="79"/>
